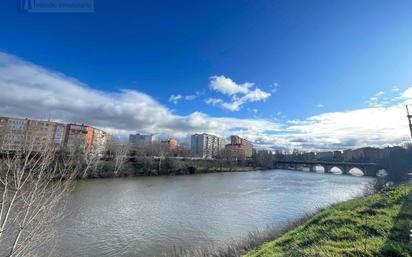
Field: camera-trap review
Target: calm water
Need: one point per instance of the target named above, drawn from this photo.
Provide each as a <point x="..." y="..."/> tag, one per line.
<point x="147" y="216"/>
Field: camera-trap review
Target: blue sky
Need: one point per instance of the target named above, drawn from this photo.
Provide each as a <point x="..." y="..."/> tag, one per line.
<point x="312" y="57"/>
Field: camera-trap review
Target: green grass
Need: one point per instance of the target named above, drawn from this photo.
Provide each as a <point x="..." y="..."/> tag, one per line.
<point x="375" y="225"/>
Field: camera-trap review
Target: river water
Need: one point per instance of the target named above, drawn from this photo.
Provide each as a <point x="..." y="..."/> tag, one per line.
<point x="147" y="216"/>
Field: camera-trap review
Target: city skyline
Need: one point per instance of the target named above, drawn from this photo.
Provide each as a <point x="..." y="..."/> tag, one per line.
<point x="217" y="68"/>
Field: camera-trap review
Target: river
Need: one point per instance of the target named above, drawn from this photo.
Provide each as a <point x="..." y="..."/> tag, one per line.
<point x="147" y="216"/>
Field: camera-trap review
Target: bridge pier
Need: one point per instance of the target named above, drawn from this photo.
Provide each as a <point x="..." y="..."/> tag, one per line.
<point x="312" y="168"/>
<point x="345" y="169"/>
<point x="369" y="171"/>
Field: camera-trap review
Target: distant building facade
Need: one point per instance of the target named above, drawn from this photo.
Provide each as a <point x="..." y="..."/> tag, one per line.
<point x="13" y="132"/>
<point x="309" y="156"/>
<point x="171" y="143"/>
<point x="365" y="154"/>
<point x="238" y="149"/>
<point x="136" y="139"/>
<point x="16" y="132"/>
<point x="324" y="156"/>
<point x="206" y="145"/>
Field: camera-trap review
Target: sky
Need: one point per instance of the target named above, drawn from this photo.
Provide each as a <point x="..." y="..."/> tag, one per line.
<point x="308" y="75"/>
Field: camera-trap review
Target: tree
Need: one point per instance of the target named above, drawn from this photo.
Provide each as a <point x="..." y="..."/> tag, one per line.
<point x="33" y="187"/>
<point x="118" y="152"/>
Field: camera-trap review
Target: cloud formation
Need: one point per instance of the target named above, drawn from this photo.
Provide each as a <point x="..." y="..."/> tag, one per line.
<point x="240" y="93"/>
<point x="28" y="90"/>
<point x="175" y="98"/>
<point x="227" y="86"/>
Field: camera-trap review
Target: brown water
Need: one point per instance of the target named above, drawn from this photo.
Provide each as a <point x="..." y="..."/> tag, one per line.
<point x="147" y="216"/>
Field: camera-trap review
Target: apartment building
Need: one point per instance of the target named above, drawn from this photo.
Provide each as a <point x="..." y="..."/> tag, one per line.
<point x="16" y="132"/>
<point x="238" y="149"/>
<point x="171" y="143"/>
<point x="206" y="145"/>
<point x="99" y="140"/>
<point x="42" y="133"/>
<point x="85" y="137"/>
<point x="12" y="132"/>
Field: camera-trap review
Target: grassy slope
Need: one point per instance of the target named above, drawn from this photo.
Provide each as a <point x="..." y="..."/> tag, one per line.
<point x="376" y="225"/>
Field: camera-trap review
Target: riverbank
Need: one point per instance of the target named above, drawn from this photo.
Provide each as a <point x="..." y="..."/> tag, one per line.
<point x="371" y="225"/>
<point x="374" y="225"/>
<point x="166" y="167"/>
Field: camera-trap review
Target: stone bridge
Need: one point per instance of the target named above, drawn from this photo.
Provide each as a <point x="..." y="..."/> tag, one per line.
<point x="368" y="169"/>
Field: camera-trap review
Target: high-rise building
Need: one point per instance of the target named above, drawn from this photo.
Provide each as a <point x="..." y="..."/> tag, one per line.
<point x="206" y="145"/>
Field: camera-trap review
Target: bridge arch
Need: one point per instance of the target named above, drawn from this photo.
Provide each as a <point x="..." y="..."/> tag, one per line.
<point x="319" y="168"/>
<point x="382" y="173"/>
<point x="337" y="170"/>
<point x="356" y="171"/>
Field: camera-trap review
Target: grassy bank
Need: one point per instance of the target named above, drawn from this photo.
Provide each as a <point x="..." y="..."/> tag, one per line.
<point x="375" y="225"/>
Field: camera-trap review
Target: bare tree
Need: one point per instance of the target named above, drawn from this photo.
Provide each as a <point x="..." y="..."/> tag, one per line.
<point x="34" y="180"/>
<point x="91" y="161"/>
<point x="120" y="157"/>
<point x="118" y="152"/>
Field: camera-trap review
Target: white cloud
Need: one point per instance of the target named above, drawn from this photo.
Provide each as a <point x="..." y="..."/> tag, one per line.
<point x="380" y="93"/>
<point x="255" y="95"/>
<point x="175" y="98"/>
<point x="240" y="93"/>
<point x="407" y="95"/>
<point x="378" y="100"/>
<point x="374" y="126"/>
<point x="190" y="97"/>
<point x="274" y="87"/>
<point x="395" y="89"/>
<point x="27" y="90"/>
<point x="320" y="105"/>
<point x="232" y="106"/>
<point x="227" y="86"/>
<point x="213" y="101"/>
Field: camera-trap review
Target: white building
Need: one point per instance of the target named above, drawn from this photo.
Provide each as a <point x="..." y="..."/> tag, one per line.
<point x="207" y="146"/>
